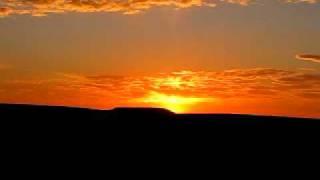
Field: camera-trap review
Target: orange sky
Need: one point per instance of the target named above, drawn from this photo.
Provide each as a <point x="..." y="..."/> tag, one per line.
<point x="254" y="91"/>
<point x="190" y="56"/>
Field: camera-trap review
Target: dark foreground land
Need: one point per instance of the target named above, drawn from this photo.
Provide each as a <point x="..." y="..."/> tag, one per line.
<point x="47" y="118"/>
<point x="126" y="137"/>
<point x="56" y="128"/>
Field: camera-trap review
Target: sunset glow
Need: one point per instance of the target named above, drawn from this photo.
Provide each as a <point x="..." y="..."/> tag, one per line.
<point x="191" y="56"/>
<point x="255" y="91"/>
<point x="178" y="104"/>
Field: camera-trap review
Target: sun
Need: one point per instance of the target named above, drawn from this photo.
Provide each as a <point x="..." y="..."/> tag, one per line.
<point x="175" y="103"/>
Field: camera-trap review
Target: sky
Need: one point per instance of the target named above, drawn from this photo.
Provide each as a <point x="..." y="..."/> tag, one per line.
<point x="190" y="56"/>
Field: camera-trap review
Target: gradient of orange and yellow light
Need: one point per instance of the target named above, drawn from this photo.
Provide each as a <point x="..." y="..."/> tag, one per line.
<point x="249" y="91"/>
<point x="189" y="56"/>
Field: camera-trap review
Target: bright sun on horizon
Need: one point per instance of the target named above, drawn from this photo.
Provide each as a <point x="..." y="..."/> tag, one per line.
<point x="175" y="103"/>
<point x="189" y="56"/>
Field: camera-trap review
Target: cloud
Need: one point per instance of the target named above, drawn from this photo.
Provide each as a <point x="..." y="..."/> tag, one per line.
<point x="309" y="57"/>
<point x="299" y="1"/>
<point x="237" y="83"/>
<point x="258" y="90"/>
<point x="5" y="11"/>
<point x="45" y="7"/>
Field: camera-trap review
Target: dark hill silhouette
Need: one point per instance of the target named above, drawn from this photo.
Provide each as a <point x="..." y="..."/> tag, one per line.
<point x="125" y="138"/>
<point x="140" y="118"/>
<point x="54" y="127"/>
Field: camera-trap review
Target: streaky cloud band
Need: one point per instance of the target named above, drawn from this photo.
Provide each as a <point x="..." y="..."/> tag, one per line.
<point x="45" y="7"/>
<point x="309" y="57"/>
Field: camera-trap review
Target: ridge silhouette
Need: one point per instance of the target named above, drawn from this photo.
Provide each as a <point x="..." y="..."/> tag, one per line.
<point x="25" y="123"/>
<point x="127" y="116"/>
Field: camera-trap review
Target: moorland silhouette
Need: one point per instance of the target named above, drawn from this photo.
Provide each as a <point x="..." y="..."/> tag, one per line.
<point x="141" y="118"/>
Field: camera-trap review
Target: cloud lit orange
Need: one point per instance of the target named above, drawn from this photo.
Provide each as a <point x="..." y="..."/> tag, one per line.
<point x="309" y="57"/>
<point x="45" y="7"/>
<point x="276" y="91"/>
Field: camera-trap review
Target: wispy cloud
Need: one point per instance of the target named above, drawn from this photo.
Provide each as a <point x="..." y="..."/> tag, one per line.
<point x="45" y="7"/>
<point x="238" y="83"/>
<point x="262" y="88"/>
<point x="309" y="57"/>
